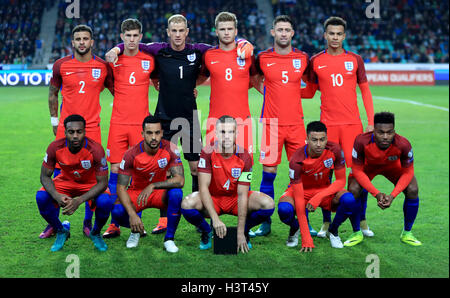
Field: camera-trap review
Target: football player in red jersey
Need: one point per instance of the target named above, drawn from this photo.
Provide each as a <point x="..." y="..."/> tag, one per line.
<point x="131" y="85"/>
<point x="83" y="178"/>
<point x="81" y="77"/>
<point x="230" y="81"/>
<point x="282" y="68"/>
<point x="384" y="152"/>
<point x="311" y="169"/>
<point x="336" y="72"/>
<point x="224" y="179"/>
<point x="147" y="164"/>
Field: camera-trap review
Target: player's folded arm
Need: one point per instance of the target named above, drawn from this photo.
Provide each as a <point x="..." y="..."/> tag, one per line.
<point x="333" y="188"/>
<point x="175" y="181"/>
<point x="404" y="180"/>
<point x="363" y="179"/>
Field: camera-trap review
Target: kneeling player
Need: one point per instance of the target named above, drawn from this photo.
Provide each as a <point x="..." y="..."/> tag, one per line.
<point x="310" y="170"/>
<point x="84" y="177"/>
<point x="224" y="180"/>
<point x="383" y="152"/>
<point x="147" y="163"/>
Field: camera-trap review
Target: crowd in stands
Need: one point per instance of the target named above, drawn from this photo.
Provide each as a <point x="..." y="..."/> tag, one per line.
<point x="105" y="18"/>
<point x="406" y="30"/>
<point x="19" y="30"/>
<point x="413" y="31"/>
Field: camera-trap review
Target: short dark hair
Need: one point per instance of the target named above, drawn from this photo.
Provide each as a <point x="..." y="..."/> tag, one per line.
<point x="316" y="126"/>
<point x="131" y="24"/>
<point x="82" y="28"/>
<point x="74" y="118"/>
<point x="334" y="21"/>
<point x="282" y="18"/>
<point x="150" y="119"/>
<point x="226" y="119"/>
<point x="384" y="118"/>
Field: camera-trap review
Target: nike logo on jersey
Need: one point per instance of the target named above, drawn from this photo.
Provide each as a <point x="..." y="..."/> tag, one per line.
<point x="306" y="172"/>
<point x="214" y="62"/>
<point x="270" y="64"/>
<point x="321" y="66"/>
<point x="140" y="169"/>
<point x="217" y="167"/>
<point x="115" y="65"/>
<point x="69" y="72"/>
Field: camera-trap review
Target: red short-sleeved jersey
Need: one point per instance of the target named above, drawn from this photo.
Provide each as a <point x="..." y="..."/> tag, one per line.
<point x="366" y="152"/>
<point x="226" y="173"/>
<point x="131" y="84"/>
<point x="337" y="77"/>
<point x="81" y="167"/>
<point x="144" y="168"/>
<point x="282" y="83"/>
<point x="315" y="172"/>
<point x="230" y="80"/>
<point x="81" y="84"/>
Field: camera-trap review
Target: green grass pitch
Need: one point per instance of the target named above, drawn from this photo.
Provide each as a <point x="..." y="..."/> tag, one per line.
<point x="25" y="134"/>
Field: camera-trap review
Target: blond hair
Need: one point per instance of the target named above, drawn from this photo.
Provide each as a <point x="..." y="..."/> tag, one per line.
<point x="226" y="17"/>
<point x="177" y="18"/>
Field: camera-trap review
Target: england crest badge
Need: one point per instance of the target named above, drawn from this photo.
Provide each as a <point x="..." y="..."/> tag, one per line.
<point x="235" y="172"/>
<point x="96" y="73"/>
<point x="145" y="64"/>
<point x="240" y="62"/>
<point x="191" y="57"/>
<point x="328" y="162"/>
<point x="86" y="164"/>
<point x="348" y="65"/>
<point x="162" y="163"/>
<point x="297" y="63"/>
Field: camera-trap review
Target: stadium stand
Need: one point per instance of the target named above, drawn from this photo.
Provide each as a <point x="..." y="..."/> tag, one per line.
<point x="408" y="31"/>
<point x="19" y="30"/>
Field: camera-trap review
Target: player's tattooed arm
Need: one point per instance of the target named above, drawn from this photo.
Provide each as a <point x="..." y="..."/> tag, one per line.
<point x="53" y="100"/>
<point x="175" y="181"/>
<point x="53" y="105"/>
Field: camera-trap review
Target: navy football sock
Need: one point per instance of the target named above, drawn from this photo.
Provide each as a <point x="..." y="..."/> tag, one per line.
<point x="194" y="217"/>
<point x="120" y="215"/>
<point x="326" y="214"/>
<point x="363" y="201"/>
<point x="410" y="209"/>
<point x="267" y="187"/>
<point x="347" y="206"/>
<point x="257" y="217"/>
<point x="104" y="205"/>
<point x="112" y="185"/>
<point x="286" y="213"/>
<point x="175" y="196"/>
<point x="48" y="210"/>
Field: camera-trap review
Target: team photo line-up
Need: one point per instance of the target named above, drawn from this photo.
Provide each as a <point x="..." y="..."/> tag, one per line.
<point x="146" y="170"/>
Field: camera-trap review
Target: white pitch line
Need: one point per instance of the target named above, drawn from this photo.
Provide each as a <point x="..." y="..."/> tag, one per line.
<point x="411" y="102"/>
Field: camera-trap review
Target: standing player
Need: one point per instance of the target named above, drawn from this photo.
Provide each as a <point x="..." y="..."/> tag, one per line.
<point x="311" y="169"/>
<point x="131" y="83"/>
<point x="177" y="69"/>
<point x="336" y="72"/>
<point x="282" y="69"/>
<point x="383" y="152"/>
<point x="83" y="178"/>
<point x="147" y="164"/>
<point x="225" y="177"/>
<point x="80" y="77"/>
<point x="230" y="81"/>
